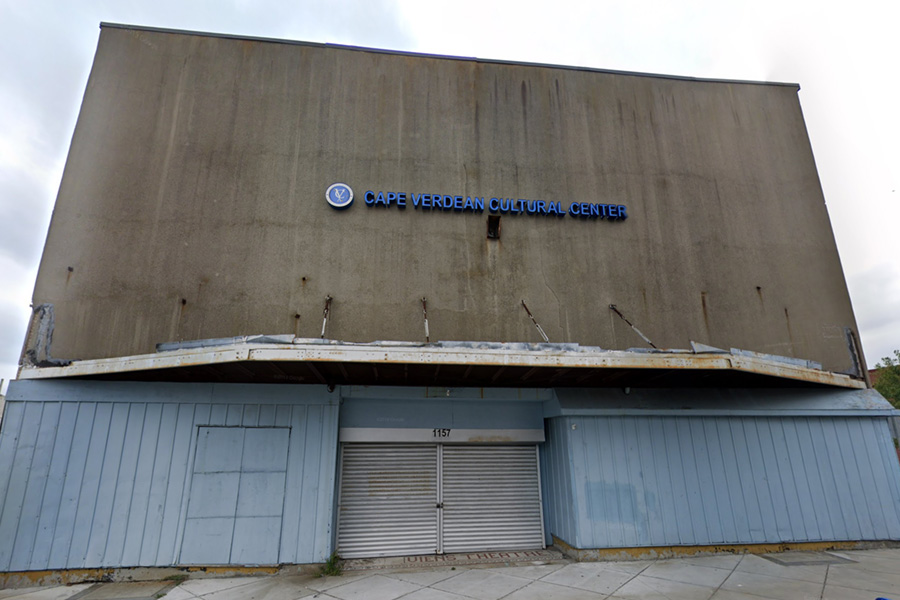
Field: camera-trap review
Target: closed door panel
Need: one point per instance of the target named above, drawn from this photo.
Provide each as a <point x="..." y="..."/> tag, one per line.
<point x="491" y="498"/>
<point x="237" y="496"/>
<point x="388" y="500"/>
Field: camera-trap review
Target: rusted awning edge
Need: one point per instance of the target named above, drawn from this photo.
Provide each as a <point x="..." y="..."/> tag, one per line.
<point x="418" y="354"/>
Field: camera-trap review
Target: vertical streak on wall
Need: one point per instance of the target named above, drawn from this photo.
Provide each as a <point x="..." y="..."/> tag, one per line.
<point x="102" y="479"/>
<point x="685" y="480"/>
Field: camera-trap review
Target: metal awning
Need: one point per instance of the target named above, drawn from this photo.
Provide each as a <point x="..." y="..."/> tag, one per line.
<point x="282" y="359"/>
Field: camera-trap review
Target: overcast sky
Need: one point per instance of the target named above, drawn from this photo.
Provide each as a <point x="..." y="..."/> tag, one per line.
<point x="844" y="55"/>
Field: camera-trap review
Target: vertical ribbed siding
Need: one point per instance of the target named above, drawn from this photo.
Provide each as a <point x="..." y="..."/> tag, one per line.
<point x="88" y="484"/>
<point x="658" y="481"/>
<point x="560" y="508"/>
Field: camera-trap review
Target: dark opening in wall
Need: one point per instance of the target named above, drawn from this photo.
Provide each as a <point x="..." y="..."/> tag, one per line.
<point x="493" y="227"/>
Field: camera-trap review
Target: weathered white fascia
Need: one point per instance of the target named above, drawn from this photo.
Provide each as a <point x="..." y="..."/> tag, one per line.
<point x="468" y="353"/>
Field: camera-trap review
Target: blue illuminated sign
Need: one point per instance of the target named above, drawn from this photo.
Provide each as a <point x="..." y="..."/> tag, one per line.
<point x="478" y="204"/>
<point x="339" y="195"/>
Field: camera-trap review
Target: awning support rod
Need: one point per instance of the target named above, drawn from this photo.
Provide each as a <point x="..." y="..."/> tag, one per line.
<point x="613" y="308"/>
<point x="425" y="314"/>
<point x="536" y="324"/>
<point x="325" y="315"/>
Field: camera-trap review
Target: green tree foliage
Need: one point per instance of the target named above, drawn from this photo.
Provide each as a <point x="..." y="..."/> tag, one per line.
<point x="888" y="378"/>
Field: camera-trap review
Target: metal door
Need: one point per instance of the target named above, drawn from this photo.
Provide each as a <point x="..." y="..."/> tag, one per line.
<point x="400" y="500"/>
<point x="491" y="498"/>
<point x="388" y="500"/>
<point x="237" y="496"/>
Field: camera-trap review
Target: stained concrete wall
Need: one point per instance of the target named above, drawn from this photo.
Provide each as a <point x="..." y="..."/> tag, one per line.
<point x="193" y="203"/>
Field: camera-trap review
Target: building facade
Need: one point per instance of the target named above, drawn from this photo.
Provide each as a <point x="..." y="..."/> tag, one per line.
<point x="302" y="299"/>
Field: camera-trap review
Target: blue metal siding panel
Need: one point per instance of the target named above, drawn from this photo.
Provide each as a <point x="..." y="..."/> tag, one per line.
<point x="99" y="482"/>
<point x="157" y="498"/>
<point x="143" y="479"/>
<point x="327" y="471"/>
<point x="126" y="480"/>
<point x="712" y="480"/>
<point x="310" y="426"/>
<point x="90" y="486"/>
<point x="20" y="429"/>
<point x="56" y="478"/>
<point x="559" y="503"/>
<point x="34" y="492"/>
<point x="189" y="417"/>
<point x="103" y="506"/>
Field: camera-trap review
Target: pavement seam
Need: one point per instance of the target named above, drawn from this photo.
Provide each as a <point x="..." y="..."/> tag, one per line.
<point x="825" y="582"/>
<point x="733" y="569"/>
<point x="633" y="577"/>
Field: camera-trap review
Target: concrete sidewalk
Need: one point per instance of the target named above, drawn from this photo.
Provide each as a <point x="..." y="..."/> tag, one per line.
<point x="848" y="575"/>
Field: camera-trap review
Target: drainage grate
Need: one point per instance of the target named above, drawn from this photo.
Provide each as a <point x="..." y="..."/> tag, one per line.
<point x="799" y="559"/>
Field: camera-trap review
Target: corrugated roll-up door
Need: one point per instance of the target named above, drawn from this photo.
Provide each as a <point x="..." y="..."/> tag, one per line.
<point x="491" y="498"/>
<point x="388" y="500"/>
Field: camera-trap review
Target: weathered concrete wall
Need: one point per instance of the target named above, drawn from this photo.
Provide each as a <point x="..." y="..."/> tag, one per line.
<point x="192" y="204"/>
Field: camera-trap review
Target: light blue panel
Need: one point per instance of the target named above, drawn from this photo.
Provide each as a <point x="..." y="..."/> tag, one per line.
<point x="763" y="434"/>
<point x="877" y="445"/>
<point x="261" y="495"/>
<point x="157" y="498"/>
<point x="863" y="462"/>
<point x="52" y="501"/>
<point x="207" y="541"/>
<point x="256" y="540"/>
<point x="657" y="463"/>
<point x="137" y="514"/>
<point x="214" y="495"/>
<point x="265" y="450"/>
<point x="103" y="508"/>
<point x="290" y="527"/>
<point x="790" y="457"/>
<point x="732" y="481"/>
<point x="309" y="486"/>
<point x="251" y="415"/>
<point x="219" y="449"/>
<point x="90" y="487"/>
<point x="327" y="469"/>
<point x="90" y="480"/>
<point x="24" y="432"/>
<point x="125" y="482"/>
<point x="656" y="519"/>
<point x="267" y="415"/>
<point x="556" y="478"/>
<point x="846" y="446"/>
<point x="721" y="480"/>
<point x="818" y="509"/>
<point x="65" y="522"/>
<point x="718" y="480"/>
<point x="34" y="491"/>
<point x="839" y="477"/>
<point x="283" y="415"/>
<point x="217" y="414"/>
<point x="428" y="413"/>
<point x="176" y="492"/>
<point x="234" y="415"/>
<point x="753" y="484"/>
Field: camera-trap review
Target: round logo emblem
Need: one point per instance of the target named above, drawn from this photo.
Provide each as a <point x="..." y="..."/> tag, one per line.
<point x="339" y="195"/>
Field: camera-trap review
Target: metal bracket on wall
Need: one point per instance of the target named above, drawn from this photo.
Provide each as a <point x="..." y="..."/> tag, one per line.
<point x="425" y="314"/>
<point x="613" y="308"/>
<point x="325" y="315"/>
<point x="536" y="324"/>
